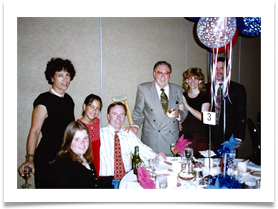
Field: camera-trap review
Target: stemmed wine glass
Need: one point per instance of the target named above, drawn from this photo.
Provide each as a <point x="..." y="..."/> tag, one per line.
<point x="153" y="164"/>
<point x="188" y="153"/>
<point x="175" y="152"/>
<point x="26" y="175"/>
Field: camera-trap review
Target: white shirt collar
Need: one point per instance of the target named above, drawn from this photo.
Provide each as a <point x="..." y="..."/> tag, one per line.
<point x="166" y="88"/>
<point x="121" y="133"/>
<point x="218" y="82"/>
<point x="112" y="130"/>
<point x="59" y="95"/>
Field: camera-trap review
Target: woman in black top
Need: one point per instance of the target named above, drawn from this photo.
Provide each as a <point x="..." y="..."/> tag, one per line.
<point x="53" y="111"/>
<point x="73" y="167"/>
<point x="196" y="100"/>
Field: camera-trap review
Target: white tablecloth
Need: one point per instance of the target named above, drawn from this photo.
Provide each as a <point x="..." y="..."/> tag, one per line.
<point x="130" y="181"/>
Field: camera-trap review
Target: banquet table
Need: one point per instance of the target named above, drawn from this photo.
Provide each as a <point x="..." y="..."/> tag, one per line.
<point x="130" y="180"/>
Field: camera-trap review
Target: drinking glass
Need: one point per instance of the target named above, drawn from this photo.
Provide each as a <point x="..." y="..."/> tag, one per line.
<point x="232" y="155"/>
<point x="188" y="153"/>
<point x="156" y="161"/>
<point x="26" y="175"/>
<point x="170" y="111"/>
<point x="161" y="182"/>
<point x="153" y="164"/>
<point x="176" y="152"/>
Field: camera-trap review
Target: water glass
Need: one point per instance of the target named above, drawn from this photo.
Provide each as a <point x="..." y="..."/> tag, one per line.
<point x="161" y="182"/>
<point x="232" y="155"/>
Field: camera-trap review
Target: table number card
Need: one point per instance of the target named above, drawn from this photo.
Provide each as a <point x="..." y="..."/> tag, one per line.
<point x="209" y="118"/>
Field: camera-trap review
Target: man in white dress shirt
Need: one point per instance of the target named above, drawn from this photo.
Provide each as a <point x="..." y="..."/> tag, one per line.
<point x="116" y="114"/>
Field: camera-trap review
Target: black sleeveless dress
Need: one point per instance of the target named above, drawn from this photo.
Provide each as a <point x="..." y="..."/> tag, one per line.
<point x="192" y="128"/>
<point x="60" y="114"/>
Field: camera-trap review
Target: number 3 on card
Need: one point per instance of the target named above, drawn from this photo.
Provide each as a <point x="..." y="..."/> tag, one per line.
<point x="209" y="118"/>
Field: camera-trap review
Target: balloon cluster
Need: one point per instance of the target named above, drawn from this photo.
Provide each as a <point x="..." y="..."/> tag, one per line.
<point x="222" y="32"/>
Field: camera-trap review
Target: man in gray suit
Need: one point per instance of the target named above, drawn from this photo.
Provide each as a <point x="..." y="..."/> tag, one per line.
<point x="159" y="130"/>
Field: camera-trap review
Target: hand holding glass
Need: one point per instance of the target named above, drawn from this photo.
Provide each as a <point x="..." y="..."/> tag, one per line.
<point x="26" y="175"/>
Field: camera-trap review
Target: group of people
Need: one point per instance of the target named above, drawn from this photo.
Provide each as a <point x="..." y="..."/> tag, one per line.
<point x="79" y="154"/>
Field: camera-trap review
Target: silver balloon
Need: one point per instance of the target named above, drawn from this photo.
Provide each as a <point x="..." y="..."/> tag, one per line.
<point x="215" y="32"/>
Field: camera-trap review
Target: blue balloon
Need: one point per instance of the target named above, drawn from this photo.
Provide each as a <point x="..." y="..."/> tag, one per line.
<point x="240" y="23"/>
<point x="250" y="26"/>
<point x="195" y="18"/>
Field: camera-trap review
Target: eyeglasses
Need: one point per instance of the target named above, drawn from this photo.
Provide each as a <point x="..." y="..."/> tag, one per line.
<point x="160" y="73"/>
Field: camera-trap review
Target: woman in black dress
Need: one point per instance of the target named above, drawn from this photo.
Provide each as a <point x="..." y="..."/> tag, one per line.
<point x="73" y="167"/>
<point x="53" y="111"/>
<point x="196" y="100"/>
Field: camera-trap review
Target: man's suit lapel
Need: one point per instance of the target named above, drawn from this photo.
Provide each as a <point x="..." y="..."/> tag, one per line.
<point x="172" y="97"/>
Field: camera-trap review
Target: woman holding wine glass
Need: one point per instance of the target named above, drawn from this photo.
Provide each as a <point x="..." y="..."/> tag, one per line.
<point x="53" y="111"/>
<point x="196" y="100"/>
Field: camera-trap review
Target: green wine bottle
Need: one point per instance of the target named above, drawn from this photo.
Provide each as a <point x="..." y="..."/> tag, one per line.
<point x="136" y="161"/>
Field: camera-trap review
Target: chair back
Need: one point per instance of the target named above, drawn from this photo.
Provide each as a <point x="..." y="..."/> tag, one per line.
<point x="253" y="134"/>
<point x="256" y="142"/>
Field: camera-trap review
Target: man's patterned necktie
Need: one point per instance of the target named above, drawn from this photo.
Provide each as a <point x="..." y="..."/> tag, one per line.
<point x="218" y="103"/>
<point x="164" y="101"/>
<point x="119" y="169"/>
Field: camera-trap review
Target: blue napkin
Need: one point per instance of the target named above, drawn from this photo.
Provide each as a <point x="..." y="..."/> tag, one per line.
<point x="216" y="185"/>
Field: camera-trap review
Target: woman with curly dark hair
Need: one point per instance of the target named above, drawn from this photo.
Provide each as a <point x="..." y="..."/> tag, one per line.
<point x="196" y="100"/>
<point x="53" y="111"/>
